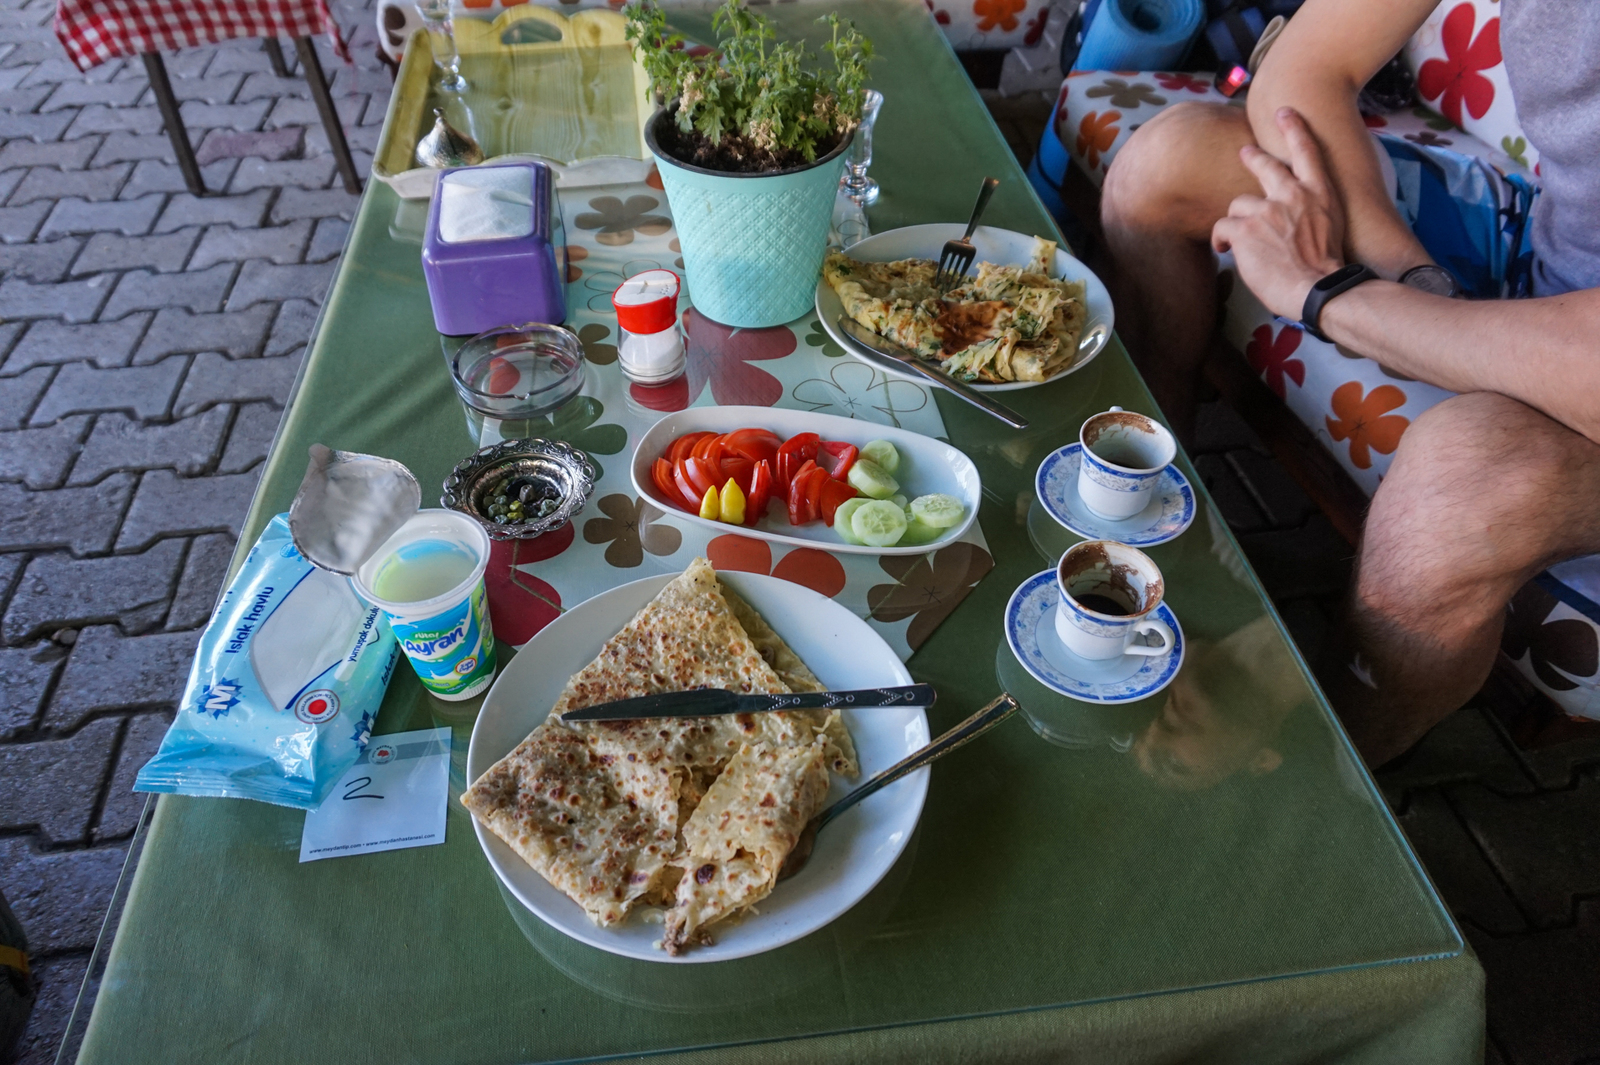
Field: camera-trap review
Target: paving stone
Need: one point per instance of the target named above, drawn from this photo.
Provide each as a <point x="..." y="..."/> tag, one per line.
<point x="53" y="784"/>
<point x="48" y="183"/>
<point x="97" y="118"/>
<point x="209" y="90"/>
<point x="198" y="290"/>
<point x="79" y="93"/>
<point x="313" y="173"/>
<point x="106" y="344"/>
<point x="203" y="573"/>
<point x="296" y="318"/>
<point x="302" y="111"/>
<point x="36" y="127"/>
<point x="242" y="212"/>
<point x="1540" y="996"/>
<point x="9" y="180"/>
<point x="1465" y="746"/>
<point x="18" y="395"/>
<point x="198" y="115"/>
<point x="1543" y="846"/>
<point x="154" y="175"/>
<point x="1312" y="560"/>
<point x="328" y="240"/>
<point x="250" y="438"/>
<point x="271" y="144"/>
<point x="119" y="816"/>
<point x="169" y="505"/>
<point x="39" y="262"/>
<point x="64" y="155"/>
<point x="11" y="567"/>
<point x="25" y="676"/>
<point x="76" y="301"/>
<point x="57" y="68"/>
<point x="1465" y="880"/>
<point x="242" y="57"/>
<point x="1238" y="507"/>
<point x="84" y="519"/>
<point x="281" y="244"/>
<point x="39" y="457"/>
<point x="263" y="84"/>
<point x="187" y="63"/>
<point x="144" y="390"/>
<point x="260" y="281"/>
<point x="1277" y="494"/>
<point x="109" y="671"/>
<point x="165" y="252"/>
<point x="120" y="443"/>
<point x="18" y="224"/>
<point x="60" y="897"/>
<point x="215" y="379"/>
<point x="58" y="590"/>
<point x="239" y="333"/>
<point x="132" y="147"/>
<point x="295" y="203"/>
<point x="23" y="99"/>
<point x="9" y="331"/>
<point x="129" y="217"/>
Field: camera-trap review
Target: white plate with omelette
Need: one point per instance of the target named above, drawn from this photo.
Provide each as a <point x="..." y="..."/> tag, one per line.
<point x="852" y="855"/>
<point x="1002" y="247"/>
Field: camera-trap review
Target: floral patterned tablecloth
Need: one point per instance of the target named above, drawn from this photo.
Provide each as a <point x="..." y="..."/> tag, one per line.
<point x="614" y="231"/>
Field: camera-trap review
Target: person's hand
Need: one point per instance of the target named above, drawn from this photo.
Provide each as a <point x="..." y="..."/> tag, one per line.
<point x="1285" y="242"/>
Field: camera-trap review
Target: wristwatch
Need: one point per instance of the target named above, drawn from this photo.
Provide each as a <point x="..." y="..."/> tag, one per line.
<point x="1432" y="279"/>
<point x="1341" y="280"/>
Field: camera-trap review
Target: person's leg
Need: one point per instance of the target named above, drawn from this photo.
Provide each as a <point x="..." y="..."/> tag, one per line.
<point x="1484" y="492"/>
<point x="1166" y="188"/>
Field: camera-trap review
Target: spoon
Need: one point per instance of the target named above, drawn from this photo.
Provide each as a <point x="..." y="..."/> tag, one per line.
<point x="970" y="729"/>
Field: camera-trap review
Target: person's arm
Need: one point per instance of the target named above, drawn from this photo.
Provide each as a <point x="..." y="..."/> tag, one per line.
<point x="1318" y="64"/>
<point x="1541" y="352"/>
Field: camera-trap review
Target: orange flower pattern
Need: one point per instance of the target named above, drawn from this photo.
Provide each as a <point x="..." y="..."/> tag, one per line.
<point x="1365" y="421"/>
<point x="1096" y="133"/>
<point x="806" y="566"/>
<point x="1001" y="13"/>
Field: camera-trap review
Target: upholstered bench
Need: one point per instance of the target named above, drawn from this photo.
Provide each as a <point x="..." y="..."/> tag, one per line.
<point x="1355" y="408"/>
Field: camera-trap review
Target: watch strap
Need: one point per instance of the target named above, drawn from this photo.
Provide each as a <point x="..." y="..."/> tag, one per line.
<point x="1341" y="280"/>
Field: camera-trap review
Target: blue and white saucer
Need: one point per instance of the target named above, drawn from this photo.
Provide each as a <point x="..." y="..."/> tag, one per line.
<point x="1030" y="622"/>
<point x="1169" y="512"/>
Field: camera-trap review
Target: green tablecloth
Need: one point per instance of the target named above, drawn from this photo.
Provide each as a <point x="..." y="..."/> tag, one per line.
<point x="1206" y="876"/>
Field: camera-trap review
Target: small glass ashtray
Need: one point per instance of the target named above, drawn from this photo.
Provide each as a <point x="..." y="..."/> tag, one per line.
<point x="513" y="374"/>
<point x="520" y="489"/>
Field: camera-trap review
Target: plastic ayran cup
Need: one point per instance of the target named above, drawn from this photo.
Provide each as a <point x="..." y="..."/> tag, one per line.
<point x="447" y="636"/>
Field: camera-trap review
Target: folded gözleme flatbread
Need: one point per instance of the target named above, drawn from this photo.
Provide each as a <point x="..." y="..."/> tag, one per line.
<point x="597" y="808"/>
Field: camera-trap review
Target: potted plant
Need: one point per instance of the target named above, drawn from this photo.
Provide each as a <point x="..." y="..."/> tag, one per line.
<point x="750" y="142"/>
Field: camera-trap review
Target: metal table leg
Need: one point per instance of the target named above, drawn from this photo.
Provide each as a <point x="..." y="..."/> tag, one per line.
<point x="156" y="70"/>
<point x="330" y="116"/>
<point x="270" y="46"/>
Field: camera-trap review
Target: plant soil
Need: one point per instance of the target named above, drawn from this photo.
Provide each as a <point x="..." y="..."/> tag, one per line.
<point x="735" y="155"/>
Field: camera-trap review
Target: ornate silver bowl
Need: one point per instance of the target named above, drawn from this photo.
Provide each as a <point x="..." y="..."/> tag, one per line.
<point x="532" y="470"/>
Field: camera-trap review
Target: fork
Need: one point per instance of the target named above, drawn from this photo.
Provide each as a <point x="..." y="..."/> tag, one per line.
<point x="957" y="255"/>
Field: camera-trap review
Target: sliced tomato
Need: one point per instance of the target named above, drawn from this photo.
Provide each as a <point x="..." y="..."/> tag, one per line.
<point x="661" y="477"/>
<point x="802" y="444"/>
<point x="739" y="468"/>
<point x="801" y="506"/>
<point x="814" y="483"/>
<point x="700" y="475"/>
<point x="703" y="448"/>
<point x="680" y="478"/>
<point x="681" y="447"/>
<point x="783" y="469"/>
<point x="833" y="493"/>
<point x="754" y="444"/>
<point x="760" y="493"/>
<point x="837" y="457"/>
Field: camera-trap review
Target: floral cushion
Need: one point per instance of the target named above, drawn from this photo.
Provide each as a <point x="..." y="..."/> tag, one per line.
<point x="1460" y="74"/>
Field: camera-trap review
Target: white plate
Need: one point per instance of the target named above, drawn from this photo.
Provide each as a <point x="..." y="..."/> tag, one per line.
<point x="851" y="856"/>
<point x="1000" y="246"/>
<point x="926" y="466"/>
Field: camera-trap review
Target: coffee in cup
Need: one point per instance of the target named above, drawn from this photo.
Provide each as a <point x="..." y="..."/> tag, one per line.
<point x="1108" y="593"/>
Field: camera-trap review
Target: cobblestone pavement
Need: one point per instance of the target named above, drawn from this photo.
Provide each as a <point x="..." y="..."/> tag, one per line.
<point x="147" y="342"/>
<point x="148" y="339"/>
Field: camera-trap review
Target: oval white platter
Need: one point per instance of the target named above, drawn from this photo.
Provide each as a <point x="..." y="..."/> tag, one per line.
<point x="1002" y="246"/>
<point x="926" y="466"/>
<point x="855" y="852"/>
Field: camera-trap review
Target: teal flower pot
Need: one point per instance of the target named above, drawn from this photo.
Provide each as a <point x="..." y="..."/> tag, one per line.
<point x="752" y="243"/>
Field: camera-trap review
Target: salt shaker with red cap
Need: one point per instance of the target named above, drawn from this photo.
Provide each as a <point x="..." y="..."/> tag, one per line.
<point x="651" y="351"/>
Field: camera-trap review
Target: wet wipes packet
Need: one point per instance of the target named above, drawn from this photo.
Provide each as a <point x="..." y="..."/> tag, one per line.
<point x="285" y="685"/>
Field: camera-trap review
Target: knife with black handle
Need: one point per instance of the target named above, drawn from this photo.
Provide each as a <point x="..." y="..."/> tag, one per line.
<point x="713" y="702"/>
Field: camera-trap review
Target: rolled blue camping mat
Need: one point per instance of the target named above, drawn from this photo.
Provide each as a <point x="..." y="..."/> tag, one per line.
<point x="1140" y="34"/>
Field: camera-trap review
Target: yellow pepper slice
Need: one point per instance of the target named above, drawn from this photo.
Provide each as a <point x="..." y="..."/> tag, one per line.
<point x="710" y="509"/>
<point x="732" y="510"/>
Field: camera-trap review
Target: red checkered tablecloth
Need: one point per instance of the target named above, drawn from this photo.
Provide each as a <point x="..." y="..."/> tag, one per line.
<point x="93" y="31"/>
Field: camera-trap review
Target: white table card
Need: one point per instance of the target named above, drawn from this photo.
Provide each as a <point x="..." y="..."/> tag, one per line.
<point x="392" y="798"/>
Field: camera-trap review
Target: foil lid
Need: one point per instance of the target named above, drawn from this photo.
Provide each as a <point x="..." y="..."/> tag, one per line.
<point x="348" y="505"/>
<point x="444" y="145"/>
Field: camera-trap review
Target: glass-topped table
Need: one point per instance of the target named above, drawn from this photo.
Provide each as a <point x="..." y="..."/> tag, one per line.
<point x="1209" y="874"/>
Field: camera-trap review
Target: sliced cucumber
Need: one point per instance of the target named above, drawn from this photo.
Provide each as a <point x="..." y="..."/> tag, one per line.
<point x="870" y="479"/>
<point x="899" y="500"/>
<point x="883" y="453"/>
<point x="878" y="523"/>
<point x="920" y="532"/>
<point x="841" y="520"/>
<point x="939" y="510"/>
